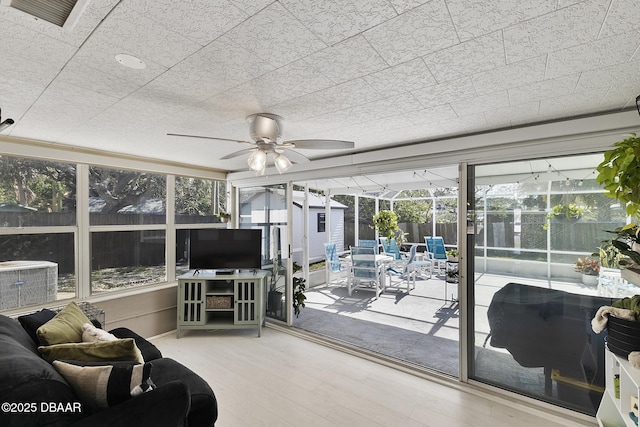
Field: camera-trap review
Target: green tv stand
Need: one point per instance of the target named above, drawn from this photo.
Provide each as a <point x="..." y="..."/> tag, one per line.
<point x="207" y="300"/>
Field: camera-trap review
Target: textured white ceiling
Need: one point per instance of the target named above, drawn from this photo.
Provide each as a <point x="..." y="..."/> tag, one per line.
<point x="380" y="73"/>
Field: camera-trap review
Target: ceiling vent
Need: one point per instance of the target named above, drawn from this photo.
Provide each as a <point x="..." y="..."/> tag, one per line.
<point x="63" y="13"/>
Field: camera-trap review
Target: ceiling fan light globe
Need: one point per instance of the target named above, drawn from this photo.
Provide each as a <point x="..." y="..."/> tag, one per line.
<point x="281" y="162"/>
<point x="257" y="160"/>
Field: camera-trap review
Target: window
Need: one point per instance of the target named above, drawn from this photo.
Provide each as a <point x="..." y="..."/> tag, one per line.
<point x="199" y="200"/>
<point x="118" y="200"/>
<point x="38" y="217"/>
<point x="126" y="197"/>
<point x="321" y="222"/>
<point x="36" y="193"/>
<point x="126" y="229"/>
<point x="124" y="259"/>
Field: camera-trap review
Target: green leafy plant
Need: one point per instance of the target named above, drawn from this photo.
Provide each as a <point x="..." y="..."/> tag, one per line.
<point x="299" y="288"/>
<point x="452" y="274"/>
<point x="626" y="240"/>
<point x="619" y="173"/>
<point x="588" y="266"/>
<point x="609" y="255"/>
<point x="569" y="212"/>
<point x="386" y="222"/>
<point x="224" y="216"/>
<point x="452" y="253"/>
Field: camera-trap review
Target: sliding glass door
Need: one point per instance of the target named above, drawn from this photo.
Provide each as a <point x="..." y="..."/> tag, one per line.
<point x="531" y="309"/>
<point x="265" y="208"/>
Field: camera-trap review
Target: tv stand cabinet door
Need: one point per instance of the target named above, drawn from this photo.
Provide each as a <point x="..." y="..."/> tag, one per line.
<point x="191" y="305"/>
<point x="247" y="300"/>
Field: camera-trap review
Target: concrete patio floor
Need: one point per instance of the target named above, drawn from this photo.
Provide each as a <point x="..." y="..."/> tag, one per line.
<point x="420" y="327"/>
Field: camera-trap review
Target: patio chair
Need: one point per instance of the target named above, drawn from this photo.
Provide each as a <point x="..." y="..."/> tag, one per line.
<point x="366" y="272"/>
<point x="390" y="247"/>
<point x="405" y="269"/>
<point x="423" y="266"/>
<point x="369" y="244"/>
<point x="438" y="253"/>
<point x="335" y="267"/>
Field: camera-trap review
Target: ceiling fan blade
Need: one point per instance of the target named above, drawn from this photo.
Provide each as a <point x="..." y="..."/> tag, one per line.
<point x="209" y="137"/>
<point x="237" y="154"/>
<point x="295" y="157"/>
<point x="320" y="144"/>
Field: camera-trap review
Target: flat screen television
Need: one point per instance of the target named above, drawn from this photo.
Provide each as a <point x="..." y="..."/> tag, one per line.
<point x="224" y="249"/>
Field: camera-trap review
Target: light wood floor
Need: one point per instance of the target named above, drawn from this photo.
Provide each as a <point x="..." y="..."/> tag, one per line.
<point x="283" y="380"/>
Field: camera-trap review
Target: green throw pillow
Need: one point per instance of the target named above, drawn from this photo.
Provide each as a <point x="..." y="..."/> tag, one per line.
<point x="104" y="385"/>
<point x="65" y="327"/>
<point x="97" y="351"/>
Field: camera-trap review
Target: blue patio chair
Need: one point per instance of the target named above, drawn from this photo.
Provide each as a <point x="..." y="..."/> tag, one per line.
<point x="369" y="244"/>
<point x="405" y="269"/>
<point x="438" y="253"/>
<point x="334" y="265"/>
<point x="390" y="247"/>
<point x="366" y="271"/>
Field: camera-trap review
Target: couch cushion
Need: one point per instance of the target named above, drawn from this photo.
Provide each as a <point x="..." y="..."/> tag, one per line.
<point x="97" y="351"/>
<point x="148" y="350"/>
<point x="204" y="407"/>
<point x="91" y="333"/>
<point x="101" y="385"/>
<point x="31" y="322"/>
<point x="11" y="330"/>
<point x="65" y="327"/>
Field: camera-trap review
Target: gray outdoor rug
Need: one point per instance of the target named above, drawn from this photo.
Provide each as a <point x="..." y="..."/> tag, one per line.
<point x="420" y="348"/>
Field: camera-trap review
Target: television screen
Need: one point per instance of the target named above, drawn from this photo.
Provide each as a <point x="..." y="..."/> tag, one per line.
<point x="225" y="249"/>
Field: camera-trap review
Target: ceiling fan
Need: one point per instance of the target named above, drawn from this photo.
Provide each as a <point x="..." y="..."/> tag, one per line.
<point x="266" y="131"/>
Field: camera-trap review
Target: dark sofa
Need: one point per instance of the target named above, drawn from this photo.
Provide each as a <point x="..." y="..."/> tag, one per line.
<point x="33" y="393"/>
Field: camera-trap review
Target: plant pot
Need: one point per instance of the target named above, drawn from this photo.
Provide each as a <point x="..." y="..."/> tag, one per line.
<point x="623" y="336"/>
<point x="274" y="302"/>
<point x="589" y="280"/>
<point x="452" y="258"/>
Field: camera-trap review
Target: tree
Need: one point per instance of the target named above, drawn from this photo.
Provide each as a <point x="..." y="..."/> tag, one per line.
<point x="194" y="196"/>
<point x="415" y="211"/>
<point x="119" y="189"/>
<point x="40" y="184"/>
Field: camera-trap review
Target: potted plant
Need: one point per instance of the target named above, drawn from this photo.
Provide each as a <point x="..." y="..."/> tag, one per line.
<point x="609" y="255"/>
<point x="590" y="268"/>
<point x="299" y="288"/>
<point x="224" y="216"/>
<point x="386" y="222"/>
<point x="452" y="255"/>
<point x="627" y="244"/>
<point x="619" y="173"/>
<point x="274" y="296"/>
<point x="452" y="275"/>
<point x="567" y="213"/>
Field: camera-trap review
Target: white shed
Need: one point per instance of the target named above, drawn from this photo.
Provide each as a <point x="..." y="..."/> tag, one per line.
<point x="317" y="222"/>
<point x="253" y="211"/>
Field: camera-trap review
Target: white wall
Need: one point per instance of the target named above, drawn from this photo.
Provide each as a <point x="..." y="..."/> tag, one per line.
<point x="316" y="239"/>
